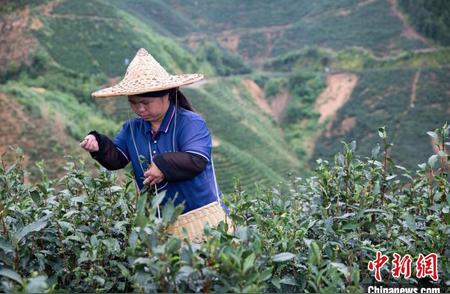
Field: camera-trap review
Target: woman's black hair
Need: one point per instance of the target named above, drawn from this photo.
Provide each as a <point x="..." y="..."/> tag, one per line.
<point x="176" y="94"/>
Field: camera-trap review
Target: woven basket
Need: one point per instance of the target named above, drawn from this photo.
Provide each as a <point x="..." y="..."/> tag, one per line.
<point x="195" y="220"/>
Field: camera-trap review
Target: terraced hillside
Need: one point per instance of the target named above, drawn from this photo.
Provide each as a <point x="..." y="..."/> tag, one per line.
<point x="266" y="63"/>
<point x="407" y="101"/>
<point x="77" y="51"/>
<point x="350" y="37"/>
<point x="246" y="137"/>
<point x="261" y="29"/>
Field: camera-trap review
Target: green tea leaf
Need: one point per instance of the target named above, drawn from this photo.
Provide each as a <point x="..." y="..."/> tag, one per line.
<point x="123" y="270"/>
<point x="143" y="260"/>
<point x="288" y="280"/>
<point x="249" y="262"/>
<point x="276" y="283"/>
<point x="382" y="132"/>
<point x="265" y="275"/>
<point x="141" y="219"/>
<point x="432" y="161"/>
<point x="315" y="254"/>
<point x="33" y="227"/>
<point x="284" y="256"/>
<point x="78" y="199"/>
<point x="432" y="134"/>
<point x="6" y="246"/>
<point x="346" y="215"/>
<point x="340" y="267"/>
<point x="35" y="196"/>
<point x="37" y="284"/>
<point x="11" y="275"/>
<point x="156" y="201"/>
<point x="374" y="210"/>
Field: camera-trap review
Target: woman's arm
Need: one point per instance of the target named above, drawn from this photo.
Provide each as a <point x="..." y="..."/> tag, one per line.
<point x="180" y="166"/>
<point x="108" y="155"/>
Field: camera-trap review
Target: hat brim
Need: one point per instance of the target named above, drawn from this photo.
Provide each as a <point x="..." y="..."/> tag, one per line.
<point x="135" y="87"/>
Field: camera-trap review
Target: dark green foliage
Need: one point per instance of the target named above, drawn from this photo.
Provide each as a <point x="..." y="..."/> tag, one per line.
<point x="95" y="8"/>
<point x="159" y="15"/>
<point x="274" y="86"/>
<point x="304" y="88"/>
<point x="313" y="59"/>
<point x="338" y="32"/>
<point x="430" y="18"/>
<point x="245" y="14"/>
<point x="300" y="119"/>
<point x="224" y="63"/>
<point x="7" y="6"/>
<point x="101" y="44"/>
<point x="56" y="78"/>
<point x="38" y="63"/>
<point x="253" y="45"/>
<point x="79" y="117"/>
<point x="83" y="233"/>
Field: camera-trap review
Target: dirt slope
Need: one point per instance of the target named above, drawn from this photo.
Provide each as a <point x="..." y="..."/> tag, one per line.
<point x="16" y="42"/>
<point x="338" y="91"/>
<point x="40" y="138"/>
<point x="258" y="95"/>
<point x="276" y="106"/>
<point x="279" y="103"/>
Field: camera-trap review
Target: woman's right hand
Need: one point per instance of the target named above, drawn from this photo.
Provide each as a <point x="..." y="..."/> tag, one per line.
<point x="89" y="143"/>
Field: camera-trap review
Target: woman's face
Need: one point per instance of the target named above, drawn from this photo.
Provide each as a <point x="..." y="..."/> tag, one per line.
<point x="151" y="109"/>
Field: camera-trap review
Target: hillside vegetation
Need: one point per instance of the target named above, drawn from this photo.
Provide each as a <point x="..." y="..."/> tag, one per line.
<point x="264" y="74"/>
<point x="431" y="18"/>
<point x="79" y="51"/>
<point x="296" y="24"/>
<point x="403" y="100"/>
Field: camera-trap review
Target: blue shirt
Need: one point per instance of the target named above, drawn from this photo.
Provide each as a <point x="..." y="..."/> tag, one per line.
<point x="180" y="131"/>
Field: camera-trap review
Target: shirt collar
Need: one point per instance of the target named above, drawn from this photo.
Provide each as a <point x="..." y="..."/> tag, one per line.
<point x="165" y="124"/>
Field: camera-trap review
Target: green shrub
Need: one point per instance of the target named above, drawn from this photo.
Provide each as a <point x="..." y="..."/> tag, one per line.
<point x="224" y="62"/>
<point x="304" y="87"/>
<point x="83" y="233"/>
<point x="274" y="86"/>
<point x="431" y="18"/>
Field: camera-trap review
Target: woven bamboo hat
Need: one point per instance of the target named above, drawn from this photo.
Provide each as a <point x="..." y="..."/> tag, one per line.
<point x="145" y="74"/>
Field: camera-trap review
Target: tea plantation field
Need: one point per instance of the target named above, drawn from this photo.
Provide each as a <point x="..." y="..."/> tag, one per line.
<point x="84" y="233"/>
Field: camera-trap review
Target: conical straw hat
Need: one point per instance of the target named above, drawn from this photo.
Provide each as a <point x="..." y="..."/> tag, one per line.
<point x="145" y="74"/>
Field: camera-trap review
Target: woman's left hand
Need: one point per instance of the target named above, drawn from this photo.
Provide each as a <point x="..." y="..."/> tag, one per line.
<point x="153" y="175"/>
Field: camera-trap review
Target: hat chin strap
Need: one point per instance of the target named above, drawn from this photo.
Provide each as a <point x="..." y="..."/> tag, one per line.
<point x="175" y="122"/>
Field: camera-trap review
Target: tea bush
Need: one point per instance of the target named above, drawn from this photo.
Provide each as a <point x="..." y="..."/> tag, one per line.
<point x="83" y="233"/>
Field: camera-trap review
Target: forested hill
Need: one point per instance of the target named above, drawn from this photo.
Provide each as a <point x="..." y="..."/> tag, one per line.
<point x="287" y="81"/>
